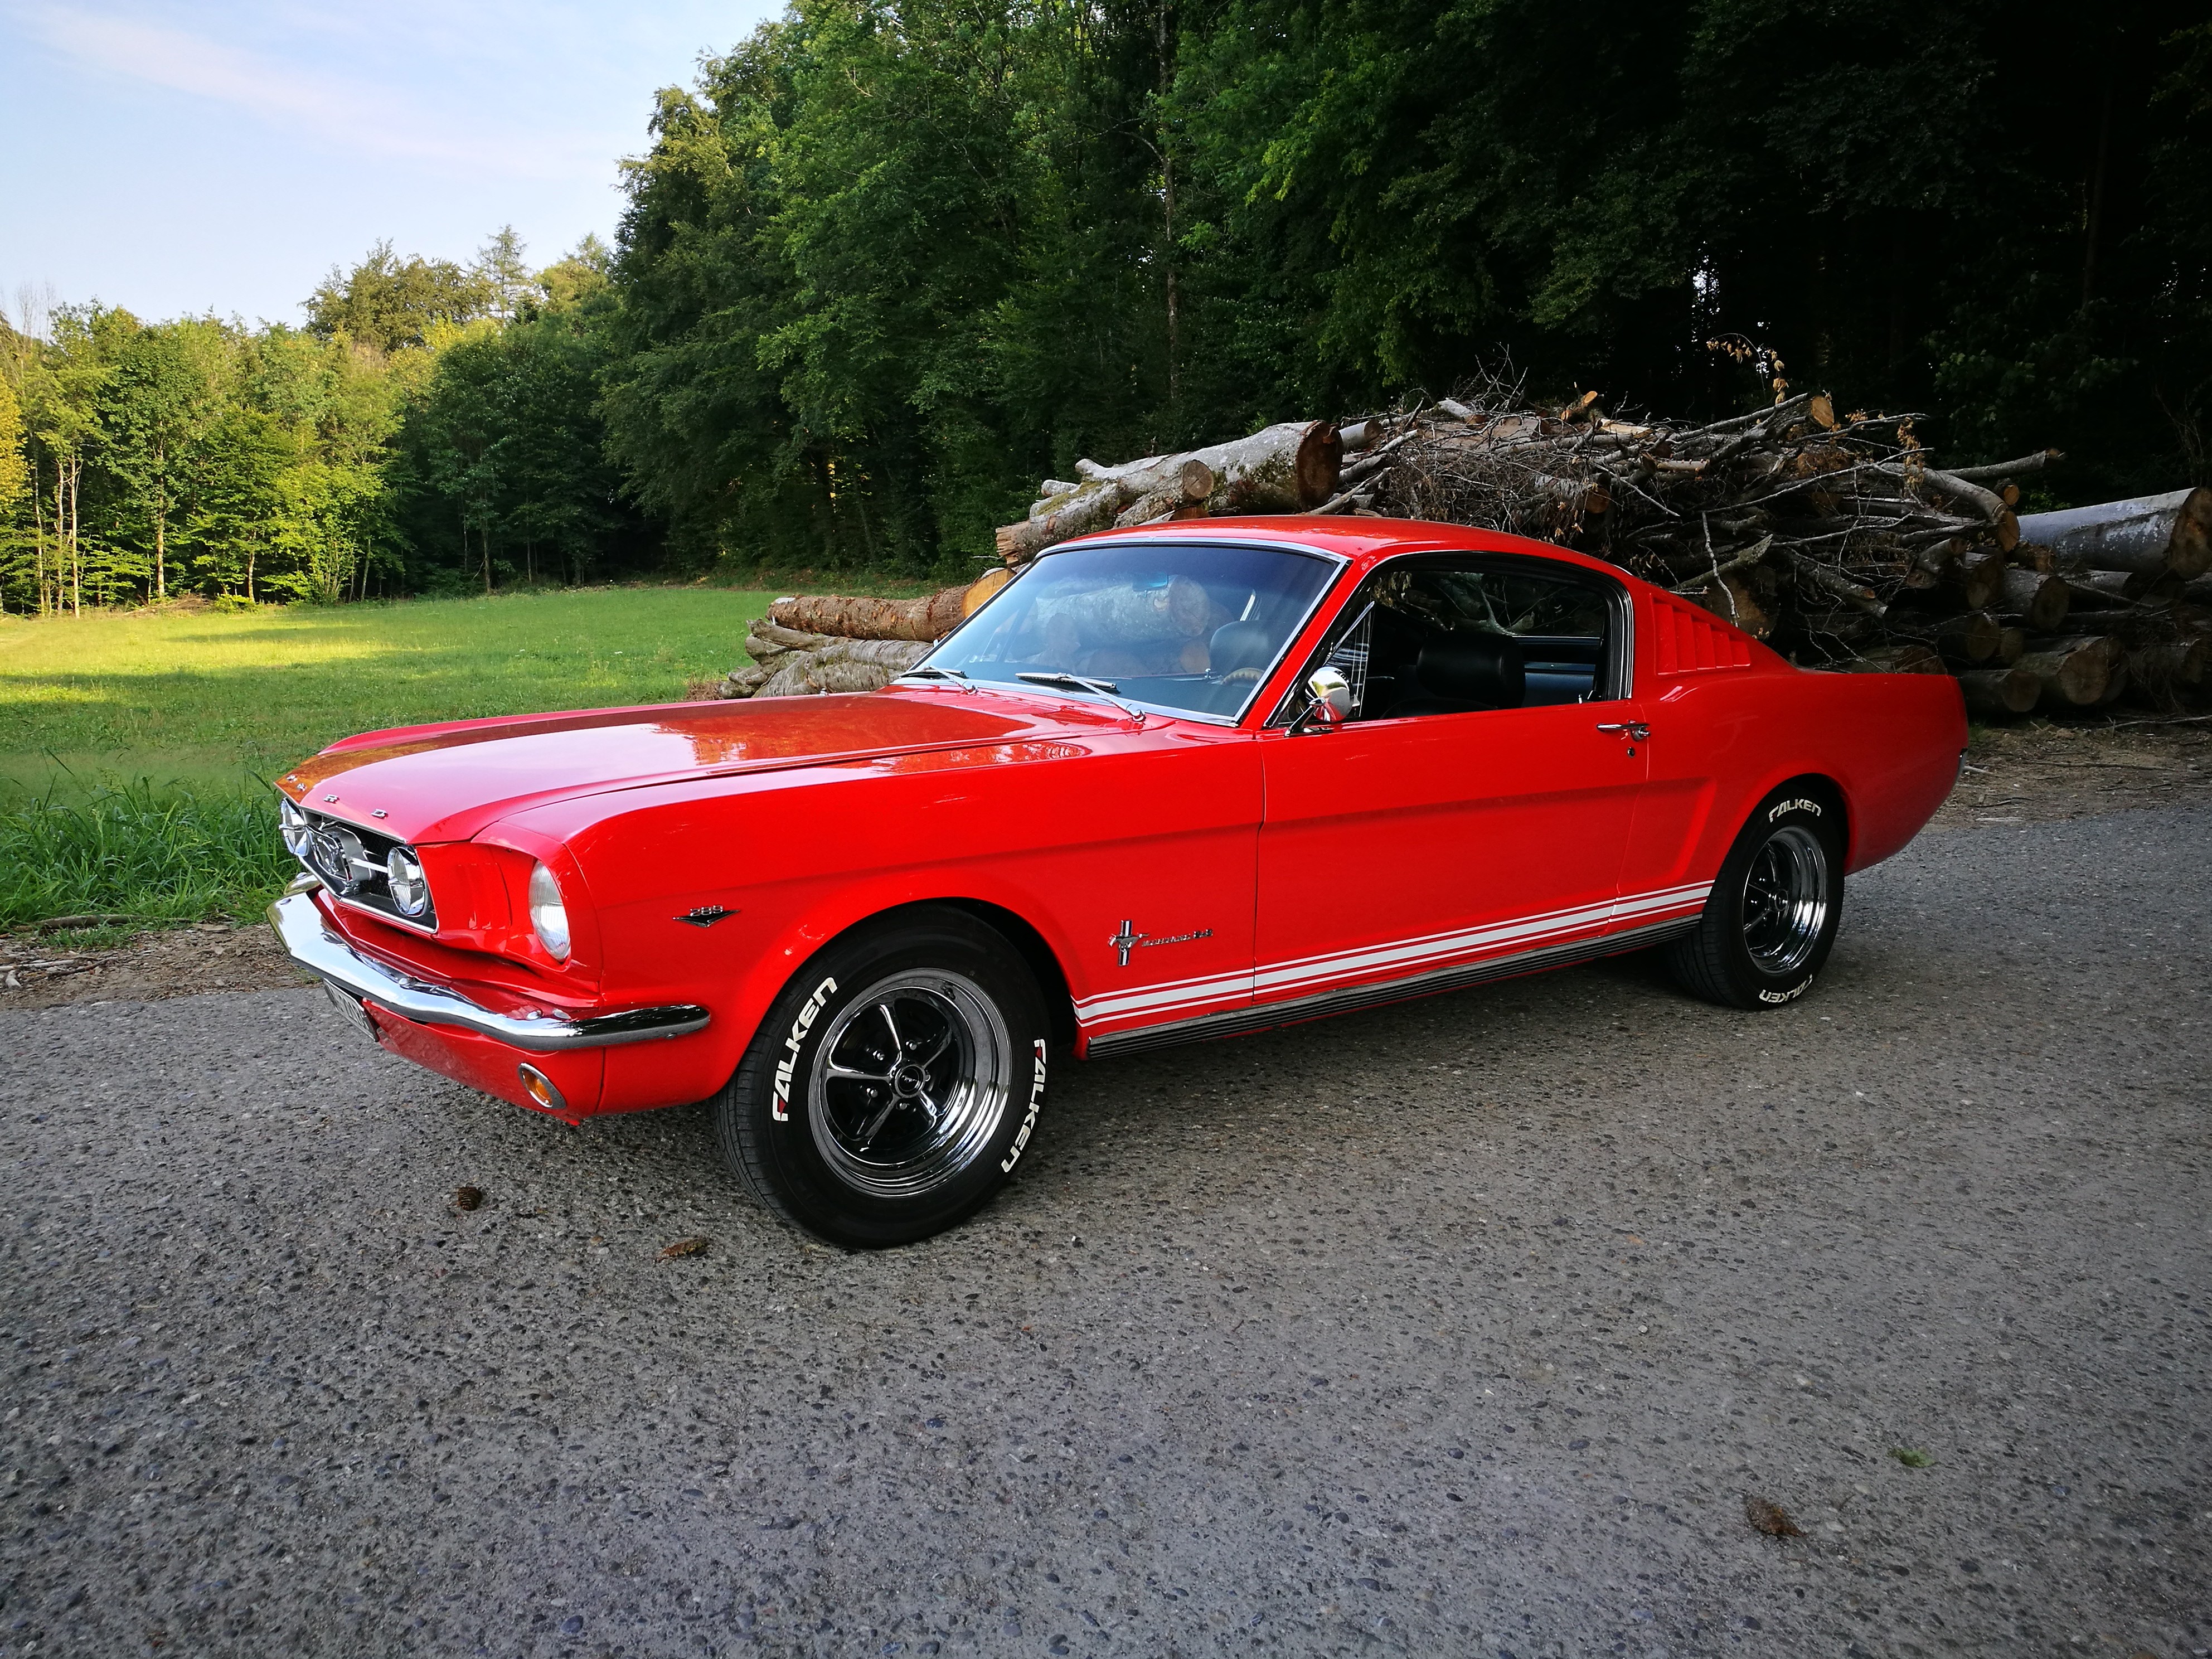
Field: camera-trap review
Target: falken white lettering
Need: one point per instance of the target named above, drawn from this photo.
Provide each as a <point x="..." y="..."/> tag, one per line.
<point x="780" y="1108"/>
<point x="1798" y="805"/>
<point x="1036" y="1101"/>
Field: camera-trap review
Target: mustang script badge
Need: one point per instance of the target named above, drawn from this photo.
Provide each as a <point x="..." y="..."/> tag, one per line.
<point x="1129" y="939"/>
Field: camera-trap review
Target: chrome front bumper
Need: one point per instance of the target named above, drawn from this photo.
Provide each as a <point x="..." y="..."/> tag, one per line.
<point x="308" y="939"/>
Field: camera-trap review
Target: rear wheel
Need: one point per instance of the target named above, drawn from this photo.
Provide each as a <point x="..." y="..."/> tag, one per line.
<point x="1771" y="917"/>
<point x="895" y="1084"/>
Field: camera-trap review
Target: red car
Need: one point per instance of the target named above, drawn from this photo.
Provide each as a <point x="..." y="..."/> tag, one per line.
<point x="1176" y="782"/>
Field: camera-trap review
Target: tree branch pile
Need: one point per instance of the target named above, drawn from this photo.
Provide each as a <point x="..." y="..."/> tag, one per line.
<point x="1836" y="538"/>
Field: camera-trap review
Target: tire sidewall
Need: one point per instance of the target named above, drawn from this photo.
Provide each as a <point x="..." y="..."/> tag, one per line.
<point x="1792" y="805"/>
<point x="773" y="1097"/>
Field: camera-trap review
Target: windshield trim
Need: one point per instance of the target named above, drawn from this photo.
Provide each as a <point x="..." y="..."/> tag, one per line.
<point x="1108" y="538"/>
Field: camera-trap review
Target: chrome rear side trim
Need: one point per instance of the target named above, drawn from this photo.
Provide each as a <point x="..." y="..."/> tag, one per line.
<point x="1236" y="1021"/>
<point x="308" y="938"/>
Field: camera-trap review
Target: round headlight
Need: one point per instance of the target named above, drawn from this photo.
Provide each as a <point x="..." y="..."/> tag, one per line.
<point x="292" y="824"/>
<point x="403" y="879"/>
<point x="548" y="913"/>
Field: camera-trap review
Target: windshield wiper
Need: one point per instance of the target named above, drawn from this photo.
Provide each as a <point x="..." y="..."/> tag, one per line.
<point x="1105" y="689"/>
<point x="931" y="671"/>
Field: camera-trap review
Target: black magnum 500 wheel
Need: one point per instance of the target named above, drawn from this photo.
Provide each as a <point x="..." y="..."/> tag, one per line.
<point x="895" y="1083"/>
<point x="1771" y="918"/>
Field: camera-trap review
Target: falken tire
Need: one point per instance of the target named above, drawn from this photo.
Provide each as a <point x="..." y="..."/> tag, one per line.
<point x="895" y="1084"/>
<point x="1771" y="917"/>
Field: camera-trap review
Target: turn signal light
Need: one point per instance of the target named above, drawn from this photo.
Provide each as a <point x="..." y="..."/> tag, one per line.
<point x="539" y="1087"/>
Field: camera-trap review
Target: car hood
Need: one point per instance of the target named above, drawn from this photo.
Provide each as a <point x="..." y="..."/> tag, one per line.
<point x="431" y="783"/>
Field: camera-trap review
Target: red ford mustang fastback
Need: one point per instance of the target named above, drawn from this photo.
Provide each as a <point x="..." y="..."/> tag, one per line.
<point x="1175" y="782"/>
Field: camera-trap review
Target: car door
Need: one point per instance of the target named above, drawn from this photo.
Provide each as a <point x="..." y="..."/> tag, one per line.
<point x="1472" y="814"/>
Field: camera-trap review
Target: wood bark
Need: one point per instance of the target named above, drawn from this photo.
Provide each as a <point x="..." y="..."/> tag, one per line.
<point x="2073" y="673"/>
<point x="1288" y="468"/>
<point x="1969" y="639"/>
<point x="2150" y="533"/>
<point x="842" y="665"/>
<point x="859" y="618"/>
<point x="2000" y="691"/>
<point x="2040" y="601"/>
<point x="2180" y="665"/>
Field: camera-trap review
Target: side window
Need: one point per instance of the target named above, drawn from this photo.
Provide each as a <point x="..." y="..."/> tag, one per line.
<point x="1438" y="639"/>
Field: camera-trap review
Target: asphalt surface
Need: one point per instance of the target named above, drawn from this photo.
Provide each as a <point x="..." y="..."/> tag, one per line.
<point x="1459" y="1327"/>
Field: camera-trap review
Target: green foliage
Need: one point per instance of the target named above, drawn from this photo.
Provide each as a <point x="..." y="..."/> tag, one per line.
<point x="158" y="854"/>
<point x="891" y="262"/>
<point x="388" y="302"/>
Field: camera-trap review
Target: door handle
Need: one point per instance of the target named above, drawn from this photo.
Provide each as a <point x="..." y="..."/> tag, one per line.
<point x="1637" y="731"/>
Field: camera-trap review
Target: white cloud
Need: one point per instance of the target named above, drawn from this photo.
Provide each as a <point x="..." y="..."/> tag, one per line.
<point x="352" y="114"/>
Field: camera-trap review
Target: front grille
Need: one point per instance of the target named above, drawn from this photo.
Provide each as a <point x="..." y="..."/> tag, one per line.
<point x="354" y="863"/>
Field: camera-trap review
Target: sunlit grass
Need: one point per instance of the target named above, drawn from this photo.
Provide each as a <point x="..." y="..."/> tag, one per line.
<point x="215" y="700"/>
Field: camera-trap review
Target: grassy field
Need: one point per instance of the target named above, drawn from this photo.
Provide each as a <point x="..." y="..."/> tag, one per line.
<point x="133" y="744"/>
<point x="212" y="699"/>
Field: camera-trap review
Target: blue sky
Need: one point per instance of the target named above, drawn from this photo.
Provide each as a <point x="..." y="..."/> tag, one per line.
<point x="183" y="158"/>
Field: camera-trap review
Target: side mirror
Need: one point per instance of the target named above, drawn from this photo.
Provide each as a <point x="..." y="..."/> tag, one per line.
<point x="1331" y="704"/>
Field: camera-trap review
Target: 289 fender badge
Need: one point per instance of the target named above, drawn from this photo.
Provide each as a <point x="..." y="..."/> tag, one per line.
<point x="1798" y="805"/>
<point x="780" y="1107"/>
<point x="1036" y="1101"/>
<point x="1790" y="995"/>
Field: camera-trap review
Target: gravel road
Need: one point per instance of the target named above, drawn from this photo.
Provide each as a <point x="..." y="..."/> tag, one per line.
<point x="1459" y="1327"/>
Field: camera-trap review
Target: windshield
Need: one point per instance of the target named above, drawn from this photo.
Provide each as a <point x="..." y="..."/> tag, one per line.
<point x="1186" y="627"/>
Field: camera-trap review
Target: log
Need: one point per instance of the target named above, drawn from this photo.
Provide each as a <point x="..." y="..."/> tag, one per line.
<point x="2073" y="673"/>
<point x="1979" y="576"/>
<point x="1287" y="468"/>
<point x="1969" y="639"/>
<point x="2153" y="533"/>
<point x="2160" y="672"/>
<point x="843" y="665"/>
<point x="767" y="639"/>
<point x="1187" y="487"/>
<point x="744" y="682"/>
<point x="983" y="588"/>
<point x="856" y="616"/>
<point x="2040" y="601"/>
<point x="1999" y="691"/>
<point x="2121" y="587"/>
<point x="2034" y="463"/>
<point x="2012" y="645"/>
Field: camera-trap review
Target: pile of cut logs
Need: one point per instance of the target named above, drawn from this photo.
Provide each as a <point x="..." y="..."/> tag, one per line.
<point x="1835" y="539"/>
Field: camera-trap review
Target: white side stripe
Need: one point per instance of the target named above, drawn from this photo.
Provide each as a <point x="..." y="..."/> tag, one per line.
<point x="1181" y="995"/>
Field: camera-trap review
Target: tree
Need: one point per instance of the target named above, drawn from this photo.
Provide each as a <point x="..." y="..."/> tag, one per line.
<point x="501" y="271"/>
<point x="390" y="303"/>
<point x="165" y="392"/>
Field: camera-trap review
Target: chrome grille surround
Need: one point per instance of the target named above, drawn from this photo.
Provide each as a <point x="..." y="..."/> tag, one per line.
<point x="352" y="864"/>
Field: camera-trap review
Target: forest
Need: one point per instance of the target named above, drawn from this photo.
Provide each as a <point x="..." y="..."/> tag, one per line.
<point x="889" y="262"/>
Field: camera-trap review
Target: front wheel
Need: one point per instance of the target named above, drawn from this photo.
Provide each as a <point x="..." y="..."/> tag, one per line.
<point x="895" y="1084"/>
<point x="1771" y="917"/>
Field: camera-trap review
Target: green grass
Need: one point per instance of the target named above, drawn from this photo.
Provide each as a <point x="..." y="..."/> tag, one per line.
<point x="214" y="700"/>
<point x="134" y="745"/>
<point x="141" y="854"/>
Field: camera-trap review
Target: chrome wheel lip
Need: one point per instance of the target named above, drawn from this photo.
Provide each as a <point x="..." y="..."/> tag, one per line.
<point x="1785" y="900"/>
<point x="944" y="1085"/>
